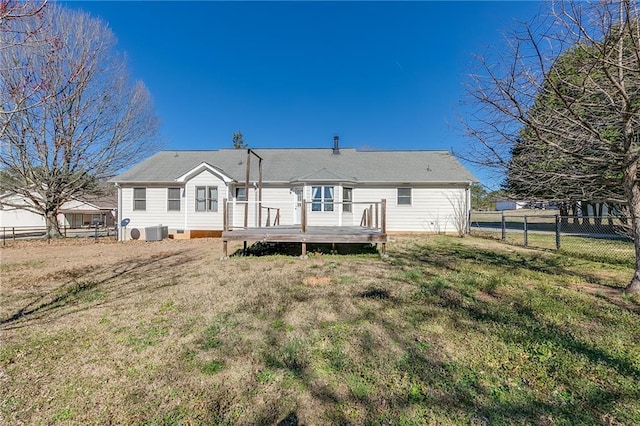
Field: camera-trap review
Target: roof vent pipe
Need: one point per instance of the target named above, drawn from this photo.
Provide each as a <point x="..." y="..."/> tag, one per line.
<point x="336" y="145"/>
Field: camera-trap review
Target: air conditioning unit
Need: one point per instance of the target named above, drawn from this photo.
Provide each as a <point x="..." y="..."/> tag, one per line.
<point x="153" y="233"/>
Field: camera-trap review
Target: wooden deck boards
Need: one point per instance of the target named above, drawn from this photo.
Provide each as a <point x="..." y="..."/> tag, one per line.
<point x="314" y="234"/>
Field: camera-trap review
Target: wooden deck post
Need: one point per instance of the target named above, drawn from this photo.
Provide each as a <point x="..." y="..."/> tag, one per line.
<point x="225" y="214"/>
<point x="303" y="217"/>
<point x="370" y="215"/>
<point x="246" y="189"/>
<point x="260" y="192"/>
<point x="304" y="250"/>
<point x="383" y="219"/>
<point x="377" y="205"/>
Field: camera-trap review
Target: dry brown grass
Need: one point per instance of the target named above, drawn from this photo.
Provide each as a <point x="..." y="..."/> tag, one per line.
<point x="167" y="333"/>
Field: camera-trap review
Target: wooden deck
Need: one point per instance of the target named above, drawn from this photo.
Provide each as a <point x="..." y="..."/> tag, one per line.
<point x="313" y="234"/>
<point x="371" y="231"/>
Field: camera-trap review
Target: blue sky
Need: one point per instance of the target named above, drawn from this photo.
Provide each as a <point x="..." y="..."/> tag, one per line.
<point x="381" y="75"/>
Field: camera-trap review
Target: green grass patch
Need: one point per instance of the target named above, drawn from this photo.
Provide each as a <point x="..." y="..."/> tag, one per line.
<point x="444" y="331"/>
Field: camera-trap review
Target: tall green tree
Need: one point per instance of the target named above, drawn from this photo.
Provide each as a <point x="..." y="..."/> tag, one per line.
<point x="70" y="117"/>
<point x="238" y="141"/>
<point x="560" y="106"/>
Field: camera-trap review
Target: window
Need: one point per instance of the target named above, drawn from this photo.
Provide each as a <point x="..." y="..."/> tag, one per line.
<point x="241" y="194"/>
<point x="173" y="199"/>
<point x="404" y="196"/>
<point x="347" y="199"/>
<point x="139" y="198"/>
<point x="322" y="198"/>
<point x="206" y="198"/>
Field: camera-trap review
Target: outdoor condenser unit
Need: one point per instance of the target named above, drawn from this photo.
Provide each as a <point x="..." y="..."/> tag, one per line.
<point x="154" y="233"/>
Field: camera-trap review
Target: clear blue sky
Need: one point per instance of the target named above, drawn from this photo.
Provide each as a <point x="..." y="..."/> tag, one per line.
<point x="381" y="75"/>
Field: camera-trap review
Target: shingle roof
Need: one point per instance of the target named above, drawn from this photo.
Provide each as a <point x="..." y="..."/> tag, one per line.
<point x="306" y="164"/>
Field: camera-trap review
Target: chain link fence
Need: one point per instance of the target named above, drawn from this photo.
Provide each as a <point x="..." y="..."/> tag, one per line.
<point x="603" y="239"/>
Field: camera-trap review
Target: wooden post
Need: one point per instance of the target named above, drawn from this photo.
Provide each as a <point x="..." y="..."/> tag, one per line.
<point x="304" y="250"/>
<point x="268" y="216"/>
<point x="246" y="189"/>
<point x="259" y="191"/>
<point x="370" y="216"/>
<point x="383" y="213"/>
<point x="225" y="217"/>
<point x="13" y="233"/>
<point x="377" y="205"/>
<point x="303" y="217"/>
<point x="224" y="249"/>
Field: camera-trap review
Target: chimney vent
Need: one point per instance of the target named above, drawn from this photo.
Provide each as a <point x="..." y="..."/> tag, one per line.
<point x="336" y="145"/>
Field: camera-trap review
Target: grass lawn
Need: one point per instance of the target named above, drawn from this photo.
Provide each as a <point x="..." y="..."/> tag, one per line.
<point x="445" y="330"/>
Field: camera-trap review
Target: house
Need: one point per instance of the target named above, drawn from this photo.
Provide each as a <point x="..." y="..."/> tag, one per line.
<point x="187" y="191"/>
<point x="506" y="204"/>
<point x="16" y="211"/>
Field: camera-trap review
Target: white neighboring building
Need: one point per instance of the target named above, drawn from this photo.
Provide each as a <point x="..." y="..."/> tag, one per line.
<point x="184" y="190"/>
<point x="510" y="205"/>
<point x="76" y="213"/>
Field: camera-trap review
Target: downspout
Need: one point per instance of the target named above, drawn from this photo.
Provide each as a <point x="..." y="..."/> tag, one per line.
<point x="468" y="209"/>
<point x="119" y="218"/>
<point x="186" y="210"/>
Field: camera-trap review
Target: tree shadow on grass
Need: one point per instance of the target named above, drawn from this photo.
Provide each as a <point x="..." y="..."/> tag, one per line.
<point x="453" y="257"/>
<point x="294" y="249"/>
<point x="100" y="284"/>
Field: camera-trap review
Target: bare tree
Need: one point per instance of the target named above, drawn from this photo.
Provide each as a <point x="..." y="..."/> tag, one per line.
<point x="460" y="208"/>
<point x="583" y="117"/>
<point x="75" y="118"/>
<point x="13" y="36"/>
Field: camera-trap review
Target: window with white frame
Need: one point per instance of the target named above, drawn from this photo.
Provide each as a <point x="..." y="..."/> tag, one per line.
<point x="322" y="198"/>
<point x="241" y="193"/>
<point x="139" y="198"/>
<point x="206" y="198"/>
<point x="173" y="199"/>
<point x="404" y="196"/>
<point x="347" y="199"/>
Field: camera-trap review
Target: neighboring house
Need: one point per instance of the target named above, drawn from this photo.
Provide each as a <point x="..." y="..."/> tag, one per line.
<point x="425" y="191"/>
<point x="12" y="216"/>
<point x="510" y="205"/>
<point x="89" y="211"/>
<point x="16" y="211"/>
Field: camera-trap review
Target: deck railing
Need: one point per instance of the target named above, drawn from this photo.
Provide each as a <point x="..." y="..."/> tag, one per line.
<point x="373" y="215"/>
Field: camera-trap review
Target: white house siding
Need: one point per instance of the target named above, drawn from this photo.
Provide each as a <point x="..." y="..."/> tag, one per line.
<point x="156" y="210"/>
<point x="431" y="210"/>
<point x="10" y="217"/>
<point x="275" y="197"/>
<point x="204" y="220"/>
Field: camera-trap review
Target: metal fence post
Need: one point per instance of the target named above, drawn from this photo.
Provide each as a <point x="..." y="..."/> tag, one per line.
<point x="557" y="232"/>
<point x="504" y="227"/>
<point x="526" y="233"/>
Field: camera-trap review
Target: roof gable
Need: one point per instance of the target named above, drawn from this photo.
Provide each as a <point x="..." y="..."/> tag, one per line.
<point x="204" y="166"/>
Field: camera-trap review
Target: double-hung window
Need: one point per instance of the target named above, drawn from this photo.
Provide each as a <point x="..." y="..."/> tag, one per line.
<point x="139" y="198"/>
<point x="404" y="196"/>
<point x="322" y="198"/>
<point x="241" y="193"/>
<point x="206" y="198"/>
<point x="347" y="199"/>
<point x="173" y="199"/>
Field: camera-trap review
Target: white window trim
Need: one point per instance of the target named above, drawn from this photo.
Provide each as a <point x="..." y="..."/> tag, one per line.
<point x="139" y="199"/>
<point x="179" y="199"/>
<point x="323" y="201"/>
<point x="207" y="199"/>
<point x="347" y="206"/>
<point x="410" y="197"/>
